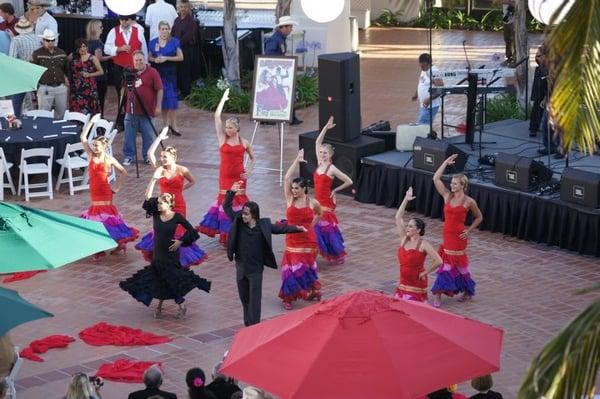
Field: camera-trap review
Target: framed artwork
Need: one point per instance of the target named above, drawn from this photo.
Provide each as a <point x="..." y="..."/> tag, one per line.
<point x="274" y="88"/>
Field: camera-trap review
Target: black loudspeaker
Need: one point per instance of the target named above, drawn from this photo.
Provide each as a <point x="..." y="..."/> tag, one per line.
<point x="429" y="154"/>
<point x="521" y="173"/>
<point x="347" y="155"/>
<point x="580" y="187"/>
<point x="388" y="137"/>
<point x="339" y="95"/>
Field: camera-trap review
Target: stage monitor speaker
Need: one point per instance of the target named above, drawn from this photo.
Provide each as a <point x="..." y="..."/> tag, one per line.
<point x="580" y="187"/>
<point x="339" y="95"/>
<point x="521" y="173"/>
<point x="429" y="154"/>
<point x="347" y="155"/>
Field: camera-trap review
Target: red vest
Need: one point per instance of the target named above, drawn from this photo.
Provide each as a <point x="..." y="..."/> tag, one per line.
<point x="125" y="58"/>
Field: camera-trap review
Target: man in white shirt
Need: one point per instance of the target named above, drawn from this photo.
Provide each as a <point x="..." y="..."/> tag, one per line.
<point x="157" y="12"/>
<point x="44" y="21"/>
<point x="428" y="104"/>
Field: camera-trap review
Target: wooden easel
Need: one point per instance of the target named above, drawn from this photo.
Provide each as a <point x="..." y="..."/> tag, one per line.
<point x="280" y="125"/>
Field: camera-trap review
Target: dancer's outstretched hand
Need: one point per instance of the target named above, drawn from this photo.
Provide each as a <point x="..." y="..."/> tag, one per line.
<point x="409" y="194"/>
<point x="330" y="124"/>
<point x="451" y="159"/>
<point x="235" y="187"/>
<point x="164" y="134"/>
<point x="302" y="229"/>
<point x="300" y="157"/>
<point x="226" y="94"/>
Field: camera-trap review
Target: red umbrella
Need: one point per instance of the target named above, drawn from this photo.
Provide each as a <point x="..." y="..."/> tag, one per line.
<point x="363" y="344"/>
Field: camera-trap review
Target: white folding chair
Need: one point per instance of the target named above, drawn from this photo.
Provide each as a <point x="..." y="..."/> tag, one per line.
<point x="70" y="161"/>
<point x="111" y="137"/>
<point x="11" y="392"/>
<point x="5" y="169"/>
<point x="40" y="113"/>
<point x="100" y="124"/>
<point x="38" y="168"/>
<point x="76" y="116"/>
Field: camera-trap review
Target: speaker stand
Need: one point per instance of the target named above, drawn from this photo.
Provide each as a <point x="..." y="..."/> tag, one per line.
<point x="280" y="170"/>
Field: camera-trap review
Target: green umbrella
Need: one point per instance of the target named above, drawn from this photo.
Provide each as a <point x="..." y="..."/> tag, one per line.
<point x="34" y="239"/>
<point x="18" y="76"/>
<point x="16" y="310"/>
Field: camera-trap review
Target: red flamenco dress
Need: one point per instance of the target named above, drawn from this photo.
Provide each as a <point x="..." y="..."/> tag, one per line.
<point x="215" y="221"/>
<point x="453" y="276"/>
<point x="327" y="230"/>
<point x="299" y="270"/>
<point x="412" y="263"/>
<point x="188" y="255"/>
<point x="102" y="209"/>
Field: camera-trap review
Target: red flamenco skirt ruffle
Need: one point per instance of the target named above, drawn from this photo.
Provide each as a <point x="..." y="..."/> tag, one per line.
<point x="453" y="276"/>
<point x="112" y="220"/>
<point x="190" y="255"/>
<point x="216" y="221"/>
<point x="330" y="239"/>
<point x="299" y="276"/>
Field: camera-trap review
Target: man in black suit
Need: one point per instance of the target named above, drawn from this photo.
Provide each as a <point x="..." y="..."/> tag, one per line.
<point x="153" y="381"/>
<point x="249" y="242"/>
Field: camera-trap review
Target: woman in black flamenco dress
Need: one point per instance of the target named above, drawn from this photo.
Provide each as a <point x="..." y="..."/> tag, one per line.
<point x="164" y="278"/>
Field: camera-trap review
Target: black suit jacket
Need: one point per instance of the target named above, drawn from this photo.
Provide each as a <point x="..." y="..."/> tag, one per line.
<point x="148" y="392"/>
<point x="266" y="228"/>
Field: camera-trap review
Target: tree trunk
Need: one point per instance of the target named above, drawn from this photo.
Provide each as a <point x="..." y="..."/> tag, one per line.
<point x="283" y="8"/>
<point x="522" y="49"/>
<point x="230" y="45"/>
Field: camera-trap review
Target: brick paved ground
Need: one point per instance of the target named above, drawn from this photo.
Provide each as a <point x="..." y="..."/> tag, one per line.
<point x="525" y="288"/>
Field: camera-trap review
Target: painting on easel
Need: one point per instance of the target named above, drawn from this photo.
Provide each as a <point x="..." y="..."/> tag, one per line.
<point x="274" y="89"/>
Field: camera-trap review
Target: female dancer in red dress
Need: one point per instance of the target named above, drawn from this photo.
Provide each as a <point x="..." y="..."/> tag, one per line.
<point x="329" y="237"/>
<point x="172" y="179"/>
<point x="454" y="277"/>
<point x="299" y="271"/>
<point x="102" y="209"/>
<point x="411" y="255"/>
<point x="232" y="149"/>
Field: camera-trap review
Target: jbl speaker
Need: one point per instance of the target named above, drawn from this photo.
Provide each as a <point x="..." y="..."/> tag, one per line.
<point x="347" y="155"/>
<point x="580" y="187"/>
<point x="339" y="95"/>
<point x="429" y="154"/>
<point x="521" y="173"/>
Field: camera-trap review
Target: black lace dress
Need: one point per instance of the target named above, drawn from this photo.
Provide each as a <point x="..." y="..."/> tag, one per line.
<point x="164" y="278"/>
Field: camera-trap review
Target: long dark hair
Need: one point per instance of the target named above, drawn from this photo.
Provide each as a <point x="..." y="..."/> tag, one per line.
<point x="302" y="182"/>
<point x="254" y="209"/>
<point x="78" y="43"/>
<point x="196" y="382"/>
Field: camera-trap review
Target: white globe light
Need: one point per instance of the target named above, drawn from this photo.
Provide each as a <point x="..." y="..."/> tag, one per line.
<point x="543" y="10"/>
<point x="125" y="7"/>
<point x="323" y="10"/>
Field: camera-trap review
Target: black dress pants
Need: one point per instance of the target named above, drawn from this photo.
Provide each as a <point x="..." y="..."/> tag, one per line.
<point x="184" y="71"/>
<point x="250" y="292"/>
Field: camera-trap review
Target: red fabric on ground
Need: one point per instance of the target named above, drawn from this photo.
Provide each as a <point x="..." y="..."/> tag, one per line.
<point x="125" y="370"/>
<point x="42" y="345"/>
<point x="20" y="276"/>
<point x="108" y="334"/>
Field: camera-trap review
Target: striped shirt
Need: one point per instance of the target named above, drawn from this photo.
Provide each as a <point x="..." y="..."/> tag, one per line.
<point x="23" y="46"/>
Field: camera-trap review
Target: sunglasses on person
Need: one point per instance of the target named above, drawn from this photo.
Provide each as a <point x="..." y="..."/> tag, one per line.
<point x="49" y="40"/>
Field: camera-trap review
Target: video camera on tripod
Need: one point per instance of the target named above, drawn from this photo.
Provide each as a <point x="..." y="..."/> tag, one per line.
<point x="129" y="77"/>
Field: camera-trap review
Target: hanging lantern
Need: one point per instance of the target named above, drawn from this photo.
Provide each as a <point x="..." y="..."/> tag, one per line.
<point x="125" y="7"/>
<point x="323" y="10"/>
<point x="543" y="10"/>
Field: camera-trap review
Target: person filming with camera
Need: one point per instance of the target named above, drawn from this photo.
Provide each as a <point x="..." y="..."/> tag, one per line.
<point x="83" y="386"/>
<point x="144" y="98"/>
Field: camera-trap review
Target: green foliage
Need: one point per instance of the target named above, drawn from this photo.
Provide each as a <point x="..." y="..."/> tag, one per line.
<point x="207" y="95"/>
<point x="388" y="18"/>
<point x="503" y="106"/>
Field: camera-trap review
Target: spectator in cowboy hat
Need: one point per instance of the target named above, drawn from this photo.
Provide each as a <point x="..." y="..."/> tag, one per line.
<point x="22" y="47"/>
<point x="43" y="20"/>
<point x="276" y="45"/>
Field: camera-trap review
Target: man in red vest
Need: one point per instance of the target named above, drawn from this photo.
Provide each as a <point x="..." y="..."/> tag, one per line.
<point x="122" y="41"/>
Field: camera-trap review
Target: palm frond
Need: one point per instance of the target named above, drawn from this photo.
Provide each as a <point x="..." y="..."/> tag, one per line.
<point x="568" y="365"/>
<point x="575" y="99"/>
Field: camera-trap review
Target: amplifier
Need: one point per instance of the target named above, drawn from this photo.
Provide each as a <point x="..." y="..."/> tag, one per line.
<point x="580" y="187"/>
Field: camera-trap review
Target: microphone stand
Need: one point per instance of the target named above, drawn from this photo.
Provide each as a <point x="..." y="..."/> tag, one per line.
<point x="430" y="31"/>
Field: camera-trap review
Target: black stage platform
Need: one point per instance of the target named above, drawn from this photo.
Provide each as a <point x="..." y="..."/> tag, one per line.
<point x="538" y="216"/>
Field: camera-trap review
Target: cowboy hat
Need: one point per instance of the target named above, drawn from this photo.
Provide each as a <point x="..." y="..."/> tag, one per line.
<point x="42" y="3"/>
<point x="48" y="35"/>
<point x="286" y="20"/>
<point x="24" y="26"/>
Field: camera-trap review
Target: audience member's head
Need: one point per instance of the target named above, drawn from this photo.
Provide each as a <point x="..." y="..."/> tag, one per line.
<point x="253" y="393"/>
<point x="24" y="26"/>
<point x="80" y="387"/>
<point x="7" y="356"/>
<point x="153" y="377"/>
<point x="184" y="8"/>
<point x="440" y="394"/>
<point x="196" y="383"/>
<point x="93" y="29"/>
<point x="483" y="383"/>
<point x="7" y="11"/>
<point x="425" y="61"/>
<point x="237" y="395"/>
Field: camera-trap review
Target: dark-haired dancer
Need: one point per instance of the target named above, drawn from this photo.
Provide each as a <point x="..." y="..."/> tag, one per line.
<point x="250" y="242"/>
<point x="102" y="209"/>
<point x="299" y="270"/>
<point x="174" y="179"/>
<point x="329" y="237"/>
<point x="411" y="255"/>
<point x="232" y="148"/>
<point x="164" y="278"/>
<point x="454" y="277"/>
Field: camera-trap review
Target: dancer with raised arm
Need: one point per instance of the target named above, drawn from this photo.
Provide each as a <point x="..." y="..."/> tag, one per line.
<point x="454" y="277"/>
<point x="101" y="193"/>
<point x="299" y="270"/>
<point x="174" y="179"/>
<point x="232" y="148"/>
<point x="165" y="279"/>
<point x="411" y="255"/>
<point x="329" y="237"/>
